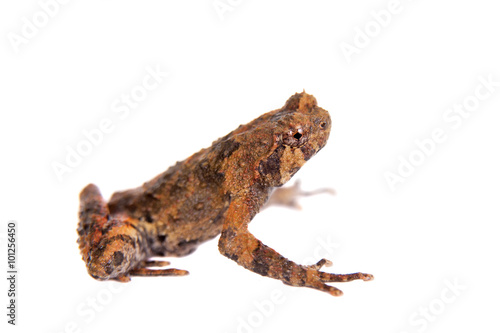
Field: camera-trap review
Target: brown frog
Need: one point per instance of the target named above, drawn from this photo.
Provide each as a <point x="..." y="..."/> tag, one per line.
<point x="215" y="191"/>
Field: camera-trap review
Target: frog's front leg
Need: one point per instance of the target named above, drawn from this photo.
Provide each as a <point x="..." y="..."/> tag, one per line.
<point x="290" y="195"/>
<point x="238" y="244"/>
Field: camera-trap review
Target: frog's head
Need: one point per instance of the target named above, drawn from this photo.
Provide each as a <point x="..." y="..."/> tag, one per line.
<point x="300" y="130"/>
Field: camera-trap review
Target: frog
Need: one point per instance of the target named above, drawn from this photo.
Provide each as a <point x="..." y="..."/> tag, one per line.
<point x="215" y="192"/>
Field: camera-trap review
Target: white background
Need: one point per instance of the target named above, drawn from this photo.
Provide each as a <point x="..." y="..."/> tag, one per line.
<point x="437" y="228"/>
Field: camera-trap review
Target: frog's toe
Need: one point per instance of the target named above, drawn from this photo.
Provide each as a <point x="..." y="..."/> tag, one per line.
<point x="123" y="278"/>
<point x="367" y="277"/>
<point x="321" y="263"/>
<point x="155" y="263"/>
<point x="158" y="272"/>
<point x="330" y="277"/>
<point x="321" y="286"/>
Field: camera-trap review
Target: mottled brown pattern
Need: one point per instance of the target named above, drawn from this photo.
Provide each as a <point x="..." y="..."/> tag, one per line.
<point x="215" y="191"/>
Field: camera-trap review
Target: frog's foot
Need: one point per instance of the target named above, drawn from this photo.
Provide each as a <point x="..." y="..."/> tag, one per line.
<point x="312" y="277"/>
<point x="123" y="278"/>
<point x="331" y="277"/>
<point x="155" y="263"/>
<point x="288" y="196"/>
<point x="145" y="269"/>
<point x="158" y="272"/>
<point x="319" y="280"/>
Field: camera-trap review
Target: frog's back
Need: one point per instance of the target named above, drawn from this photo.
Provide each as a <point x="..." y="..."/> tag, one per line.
<point x="182" y="207"/>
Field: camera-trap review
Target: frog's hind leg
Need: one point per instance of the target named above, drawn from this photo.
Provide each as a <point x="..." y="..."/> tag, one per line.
<point x="93" y="215"/>
<point x="110" y="244"/>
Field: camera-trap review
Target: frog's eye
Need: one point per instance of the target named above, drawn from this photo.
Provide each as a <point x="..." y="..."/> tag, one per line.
<point x="295" y="138"/>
